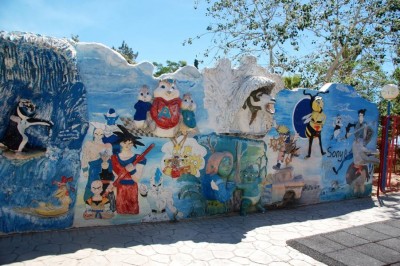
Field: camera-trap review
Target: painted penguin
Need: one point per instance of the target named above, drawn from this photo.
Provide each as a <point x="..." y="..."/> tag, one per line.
<point x="166" y="107"/>
<point x="337" y="127"/>
<point x="24" y="117"/>
<point x="142" y="106"/>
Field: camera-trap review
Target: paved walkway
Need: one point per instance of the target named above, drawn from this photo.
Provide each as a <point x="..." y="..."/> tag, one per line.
<point x="371" y="244"/>
<point x="258" y="239"/>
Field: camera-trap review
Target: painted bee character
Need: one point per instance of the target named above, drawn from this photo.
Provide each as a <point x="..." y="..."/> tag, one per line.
<point x="315" y="121"/>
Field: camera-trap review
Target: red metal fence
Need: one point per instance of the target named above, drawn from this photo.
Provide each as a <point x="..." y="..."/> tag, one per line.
<point x="387" y="167"/>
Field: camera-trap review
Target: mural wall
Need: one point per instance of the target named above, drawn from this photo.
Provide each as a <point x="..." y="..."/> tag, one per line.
<point x="87" y="139"/>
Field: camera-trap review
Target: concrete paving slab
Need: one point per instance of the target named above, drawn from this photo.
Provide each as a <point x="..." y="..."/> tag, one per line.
<point x="393" y="243"/>
<point x="346" y="239"/>
<point x="361" y="246"/>
<point x="385" y="229"/>
<point x="367" y="233"/>
<point x="379" y="252"/>
<point x="352" y="257"/>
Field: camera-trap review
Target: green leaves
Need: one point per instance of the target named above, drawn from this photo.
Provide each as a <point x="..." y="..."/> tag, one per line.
<point x="169" y="68"/>
<point x="319" y="40"/>
<point x="127" y="52"/>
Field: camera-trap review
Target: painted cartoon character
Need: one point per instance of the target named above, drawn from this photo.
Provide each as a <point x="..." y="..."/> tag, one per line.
<point x="107" y="177"/>
<point x="165" y="110"/>
<point x="188" y="108"/>
<point x="286" y="147"/>
<point x="160" y="199"/>
<point x="24" y="116"/>
<point x="251" y="192"/>
<point x="97" y="206"/>
<point x="192" y="162"/>
<point x="142" y="107"/>
<point x="361" y="130"/>
<point x="127" y="168"/>
<point x="215" y="183"/>
<point x="47" y="209"/>
<point x="337" y="127"/>
<point x="109" y="128"/>
<point x="173" y="166"/>
<point x="257" y="102"/>
<point x="357" y="173"/>
<point x="315" y="121"/>
<point x="91" y="161"/>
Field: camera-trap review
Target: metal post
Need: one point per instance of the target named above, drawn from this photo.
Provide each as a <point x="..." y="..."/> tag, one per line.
<point x="385" y="152"/>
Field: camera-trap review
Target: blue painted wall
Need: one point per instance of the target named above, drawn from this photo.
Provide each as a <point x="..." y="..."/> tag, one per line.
<point x="83" y="93"/>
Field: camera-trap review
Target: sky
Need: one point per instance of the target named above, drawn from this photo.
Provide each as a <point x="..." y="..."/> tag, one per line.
<point x="154" y="28"/>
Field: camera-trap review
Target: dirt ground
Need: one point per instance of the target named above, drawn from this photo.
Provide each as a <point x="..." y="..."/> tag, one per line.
<point x="394" y="183"/>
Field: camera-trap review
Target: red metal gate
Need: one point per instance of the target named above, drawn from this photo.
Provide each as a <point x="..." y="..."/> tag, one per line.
<point x="388" y="153"/>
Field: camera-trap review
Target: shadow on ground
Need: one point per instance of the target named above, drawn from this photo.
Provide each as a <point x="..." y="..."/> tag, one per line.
<point x="228" y="229"/>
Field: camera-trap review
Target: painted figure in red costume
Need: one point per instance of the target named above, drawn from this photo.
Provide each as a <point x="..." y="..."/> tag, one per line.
<point x="166" y="107"/>
<point x="128" y="171"/>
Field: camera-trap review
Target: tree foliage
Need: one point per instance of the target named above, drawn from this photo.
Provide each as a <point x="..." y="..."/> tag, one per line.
<point x="322" y="40"/>
<point x="257" y="27"/>
<point x="169" y="68"/>
<point x="127" y="53"/>
<point x="349" y="34"/>
<point x="292" y="82"/>
<point x="75" y="38"/>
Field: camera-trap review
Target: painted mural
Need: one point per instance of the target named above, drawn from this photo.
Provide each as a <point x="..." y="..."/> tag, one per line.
<point x="87" y="139"/>
<point x="314" y="128"/>
<point x="43" y="123"/>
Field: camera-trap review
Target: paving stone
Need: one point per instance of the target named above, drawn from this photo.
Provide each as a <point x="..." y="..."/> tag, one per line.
<point x="48" y="248"/>
<point x="59" y="260"/>
<point x="258" y="239"/>
<point x="181" y="259"/>
<point x="277" y="263"/>
<point x="379" y="252"/>
<point x="201" y="254"/>
<point x="346" y="239"/>
<point x="145" y="250"/>
<point x="243" y="252"/>
<point x="219" y="262"/>
<point x="385" y="229"/>
<point x="6" y="259"/>
<point x="94" y="261"/>
<point x="393" y="243"/>
<point x="80" y="254"/>
<point x="136" y="260"/>
<point x="319" y="243"/>
<point x="164" y="249"/>
<point x="31" y="255"/>
<point x="261" y="257"/>
<point x="160" y="258"/>
<point x="299" y="263"/>
<point x="367" y="233"/>
<point x="241" y="261"/>
<point x="220" y="254"/>
<point x="393" y="222"/>
<point x="116" y="258"/>
<point x="353" y="257"/>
